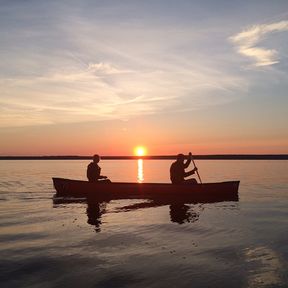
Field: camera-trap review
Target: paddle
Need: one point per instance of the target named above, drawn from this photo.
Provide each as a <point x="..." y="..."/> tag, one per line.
<point x="190" y="154"/>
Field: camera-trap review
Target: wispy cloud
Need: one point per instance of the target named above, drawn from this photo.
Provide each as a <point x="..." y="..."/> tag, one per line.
<point x="93" y="68"/>
<point x="104" y="91"/>
<point x="247" y="42"/>
<point x="105" y="68"/>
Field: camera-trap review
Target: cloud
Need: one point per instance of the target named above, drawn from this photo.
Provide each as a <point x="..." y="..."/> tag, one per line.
<point x="248" y="40"/>
<point x="91" y="69"/>
<point x="105" y="68"/>
<point x="104" y="91"/>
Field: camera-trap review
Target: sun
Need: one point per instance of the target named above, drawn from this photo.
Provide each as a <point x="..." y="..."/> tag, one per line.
<point x="140" y="151"/>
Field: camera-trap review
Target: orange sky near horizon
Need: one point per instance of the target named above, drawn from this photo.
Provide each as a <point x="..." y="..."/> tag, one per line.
<point x="121" y="138"/>
<point x="173" y="76"/>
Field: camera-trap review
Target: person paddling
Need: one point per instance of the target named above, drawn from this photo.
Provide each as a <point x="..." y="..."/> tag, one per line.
<point x="94" y="171"/>
<point x="177" y="170"/>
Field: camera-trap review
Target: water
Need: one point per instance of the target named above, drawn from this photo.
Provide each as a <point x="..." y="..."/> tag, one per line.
<point x="45" y="243"/>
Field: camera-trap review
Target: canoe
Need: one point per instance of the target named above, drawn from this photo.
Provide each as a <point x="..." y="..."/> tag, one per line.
<point x="222" y="191"/>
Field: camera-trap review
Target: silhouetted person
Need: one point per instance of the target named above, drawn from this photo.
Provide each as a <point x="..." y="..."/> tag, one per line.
<point x="94" y="171"/>
<point x="177" y="170"/>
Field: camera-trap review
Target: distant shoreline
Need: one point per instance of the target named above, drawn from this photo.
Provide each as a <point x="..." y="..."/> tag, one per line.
<point x="165" y="157"/>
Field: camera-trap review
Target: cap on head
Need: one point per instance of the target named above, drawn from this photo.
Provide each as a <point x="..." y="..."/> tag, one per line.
<point x="180" y="157"/>
<point x="96" y="158"/>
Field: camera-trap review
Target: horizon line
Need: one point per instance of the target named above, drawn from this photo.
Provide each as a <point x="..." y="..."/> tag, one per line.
<point x="151" y="157"/>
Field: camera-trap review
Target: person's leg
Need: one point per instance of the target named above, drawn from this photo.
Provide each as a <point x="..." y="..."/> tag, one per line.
<point x="191" y="181"/>
<point x="104" y="181"/>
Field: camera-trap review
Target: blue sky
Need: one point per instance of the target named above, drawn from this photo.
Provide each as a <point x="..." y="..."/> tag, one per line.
<point x="218" y="65"/>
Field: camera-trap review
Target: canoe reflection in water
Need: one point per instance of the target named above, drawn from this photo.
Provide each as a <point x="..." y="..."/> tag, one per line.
<point x="179" y="212"/>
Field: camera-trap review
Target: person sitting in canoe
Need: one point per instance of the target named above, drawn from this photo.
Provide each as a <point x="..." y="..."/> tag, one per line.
<point x="177" y="170"/>
<point x="94" y="171"/>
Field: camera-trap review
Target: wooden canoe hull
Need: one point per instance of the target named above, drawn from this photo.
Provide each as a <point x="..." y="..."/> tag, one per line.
<point x="222" y="191"/>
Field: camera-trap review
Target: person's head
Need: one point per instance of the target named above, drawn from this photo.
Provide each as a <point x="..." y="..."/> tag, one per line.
<point x="180" y="158"/>
<point x="96" y="158"/>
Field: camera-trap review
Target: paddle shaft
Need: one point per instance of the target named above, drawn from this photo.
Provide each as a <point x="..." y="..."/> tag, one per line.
<point x="196" y="170"/>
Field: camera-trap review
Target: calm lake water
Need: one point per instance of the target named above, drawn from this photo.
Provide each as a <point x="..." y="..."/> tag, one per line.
<point x="55" y="243"/>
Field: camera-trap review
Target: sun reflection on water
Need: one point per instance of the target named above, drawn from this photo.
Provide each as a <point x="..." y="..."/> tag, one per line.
<point x="140" y="175"/>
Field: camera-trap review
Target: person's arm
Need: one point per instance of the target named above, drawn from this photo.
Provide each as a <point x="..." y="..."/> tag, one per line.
<point x="186" y="165"/>
<point x="186" y="174"/>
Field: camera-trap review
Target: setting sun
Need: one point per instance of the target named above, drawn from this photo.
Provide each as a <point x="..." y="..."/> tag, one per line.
<point x="140" y="151"/>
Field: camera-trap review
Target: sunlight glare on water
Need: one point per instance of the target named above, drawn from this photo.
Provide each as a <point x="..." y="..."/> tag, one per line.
<point x="140" y="177"/>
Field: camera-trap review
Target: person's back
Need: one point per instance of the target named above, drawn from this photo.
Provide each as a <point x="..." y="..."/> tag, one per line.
<point x="94" y="171"/>
<point x="177" y="172"/>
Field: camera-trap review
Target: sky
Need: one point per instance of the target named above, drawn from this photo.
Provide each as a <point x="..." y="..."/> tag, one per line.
<point x="95" y="76"/>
